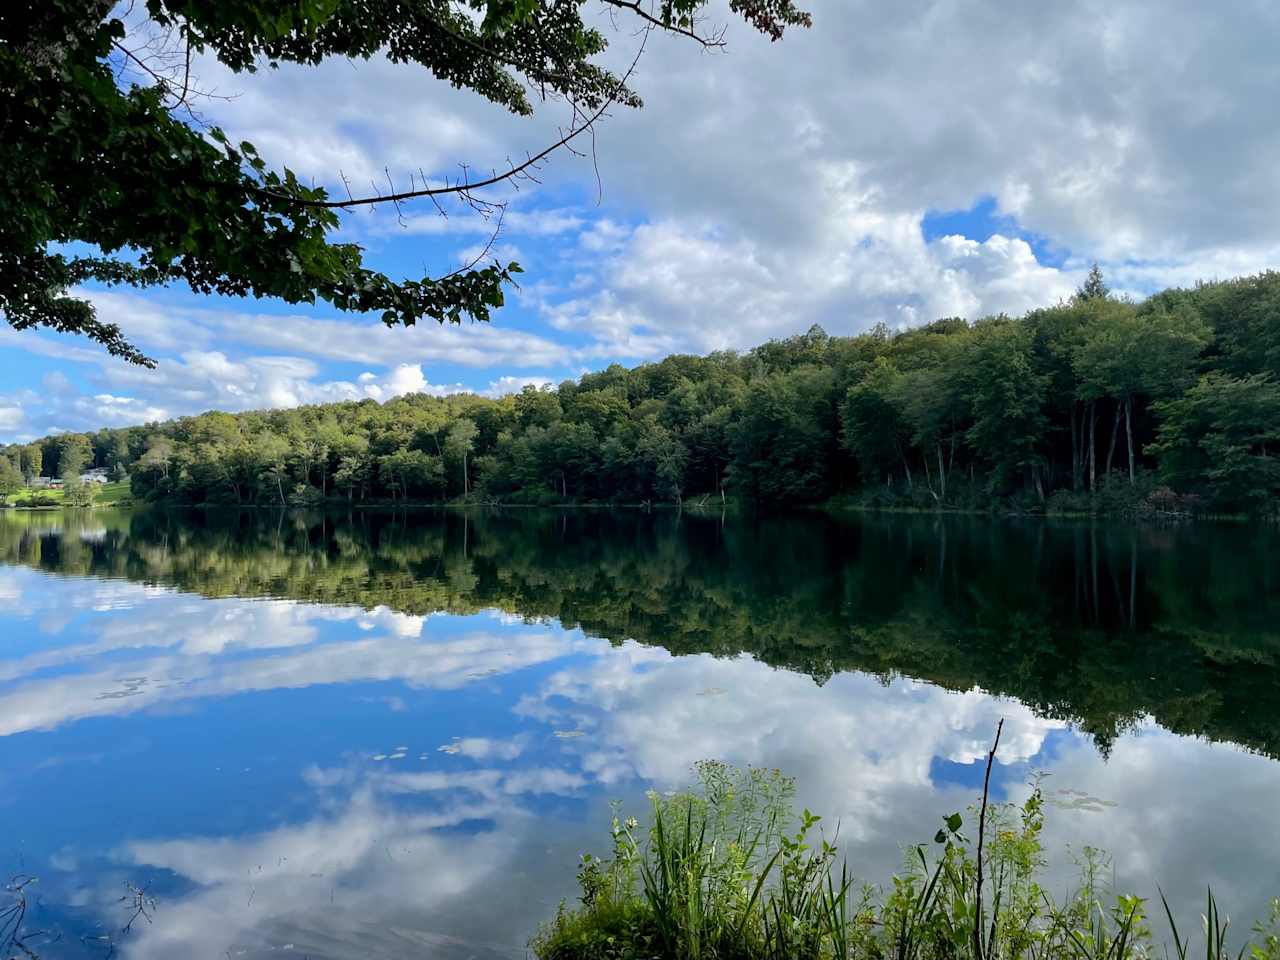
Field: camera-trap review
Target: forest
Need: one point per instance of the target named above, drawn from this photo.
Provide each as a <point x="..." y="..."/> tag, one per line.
<point x="1094" y="405"/>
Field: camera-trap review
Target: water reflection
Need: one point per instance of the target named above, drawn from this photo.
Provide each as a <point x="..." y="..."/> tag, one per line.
<point x="411" y="766"/>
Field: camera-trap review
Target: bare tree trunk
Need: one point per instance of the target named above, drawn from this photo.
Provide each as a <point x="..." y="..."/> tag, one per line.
<point x="942" y="473"/>
<point x="1128" y="432"/>
<point x="928" y="478"/>
<point x="1075" y="446"/>
<point x="906" y="465"/>
<point x="1115" y="432"/>
<point x="1093" y="445"/>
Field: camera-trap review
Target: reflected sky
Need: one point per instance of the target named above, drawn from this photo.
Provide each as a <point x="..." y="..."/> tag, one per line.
<point x="336" y="781"/>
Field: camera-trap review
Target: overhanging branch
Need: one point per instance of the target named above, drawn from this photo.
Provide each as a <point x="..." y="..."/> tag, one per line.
<point x="466" y="187"/>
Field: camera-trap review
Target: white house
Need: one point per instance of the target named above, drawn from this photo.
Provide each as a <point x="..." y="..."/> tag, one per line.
<point x="96" y="475"/>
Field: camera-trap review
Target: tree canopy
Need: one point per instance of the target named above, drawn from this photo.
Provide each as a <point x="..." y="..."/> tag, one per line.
<point x="1093" y="405"/>
<point x="104" y="176"/>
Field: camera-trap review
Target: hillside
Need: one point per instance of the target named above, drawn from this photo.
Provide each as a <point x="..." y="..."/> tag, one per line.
<point x="1171" y="404"/>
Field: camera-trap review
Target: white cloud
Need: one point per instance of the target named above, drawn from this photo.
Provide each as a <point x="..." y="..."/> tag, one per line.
<point x="668" y="288"/>
<point x="358" y="340"/>
<point x="760" y="191"/>
<point x="783" y="184"/>
<point x="505" y="385"/>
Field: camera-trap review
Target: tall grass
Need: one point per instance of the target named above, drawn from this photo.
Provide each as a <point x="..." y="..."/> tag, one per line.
<point x="725" y="871"/>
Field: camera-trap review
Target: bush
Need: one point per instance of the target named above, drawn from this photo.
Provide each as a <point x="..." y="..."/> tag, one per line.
<point x="305" y="495"/>
<point x="1069" y="502"/>
<point x="80" y="495"/>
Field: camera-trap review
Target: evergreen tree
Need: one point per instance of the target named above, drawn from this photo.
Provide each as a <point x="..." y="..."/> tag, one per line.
<point x="1094" y="287"/>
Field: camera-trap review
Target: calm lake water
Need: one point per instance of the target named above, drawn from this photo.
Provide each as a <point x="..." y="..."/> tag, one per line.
<point x="392" y="735"/>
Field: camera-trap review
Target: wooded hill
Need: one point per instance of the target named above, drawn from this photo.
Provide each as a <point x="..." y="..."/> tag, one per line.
<point x="1171" y="404"/>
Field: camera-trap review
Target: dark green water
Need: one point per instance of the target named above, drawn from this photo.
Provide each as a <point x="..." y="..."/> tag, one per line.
<point x="388" y="733"/>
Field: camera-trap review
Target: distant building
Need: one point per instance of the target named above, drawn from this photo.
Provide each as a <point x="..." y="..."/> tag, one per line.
<point x="96" y="475"/>
<point x="46" y="483"/>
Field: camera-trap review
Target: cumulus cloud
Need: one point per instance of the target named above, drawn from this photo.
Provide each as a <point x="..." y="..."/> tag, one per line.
<point x="759" y="191"/>
<point x="805" y="169"/>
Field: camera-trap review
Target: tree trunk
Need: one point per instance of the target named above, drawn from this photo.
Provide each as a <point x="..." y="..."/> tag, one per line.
<point x="928" y="478"/>
<point x="942" y="473"/>
<point x="1093" y="445"/>
<point x="1115" y="432"/>
<point x="1075" y="446"/>
<point x="906" y="465"/>
<point x="1128" y="432"/>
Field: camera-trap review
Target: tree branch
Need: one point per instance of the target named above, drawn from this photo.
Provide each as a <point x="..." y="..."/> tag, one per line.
<point x="715" y="41"/>
<point x="465" y="187"/>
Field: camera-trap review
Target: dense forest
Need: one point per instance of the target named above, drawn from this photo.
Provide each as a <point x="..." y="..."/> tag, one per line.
<point x="1097" y="404"/>
<point x="1101" y="625"/>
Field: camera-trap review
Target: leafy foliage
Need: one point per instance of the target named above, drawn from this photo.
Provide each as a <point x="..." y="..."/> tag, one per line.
<point x="1091" y="406"/>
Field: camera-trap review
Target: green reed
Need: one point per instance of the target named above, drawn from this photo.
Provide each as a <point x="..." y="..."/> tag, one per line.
<point x="725" y="871"/>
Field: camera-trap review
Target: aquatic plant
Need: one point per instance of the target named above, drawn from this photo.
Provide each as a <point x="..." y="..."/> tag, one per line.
<point x="725" y="871"/>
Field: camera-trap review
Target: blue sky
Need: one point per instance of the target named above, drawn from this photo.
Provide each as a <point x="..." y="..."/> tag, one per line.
<point x="889" y="165"/>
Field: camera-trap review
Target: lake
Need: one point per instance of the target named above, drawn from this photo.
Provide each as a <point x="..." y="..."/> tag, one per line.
<point x="392" y="734"/>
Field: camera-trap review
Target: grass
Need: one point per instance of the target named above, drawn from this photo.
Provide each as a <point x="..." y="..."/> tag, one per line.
<point x="105" y="495"/>
<point x="725" y="871"/>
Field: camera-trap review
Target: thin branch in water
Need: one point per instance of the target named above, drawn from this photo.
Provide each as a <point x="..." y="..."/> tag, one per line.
<point x="140" y="902"/>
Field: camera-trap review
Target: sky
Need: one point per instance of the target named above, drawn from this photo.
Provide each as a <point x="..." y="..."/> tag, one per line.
<point x="896" y="163"/>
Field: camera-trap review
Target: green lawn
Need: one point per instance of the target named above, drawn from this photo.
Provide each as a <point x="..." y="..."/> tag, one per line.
<point x="105" y="495"/>
<point x="113" y="493"/>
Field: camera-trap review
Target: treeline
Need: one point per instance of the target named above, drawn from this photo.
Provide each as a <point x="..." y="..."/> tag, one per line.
<point x="1094" y="404"/>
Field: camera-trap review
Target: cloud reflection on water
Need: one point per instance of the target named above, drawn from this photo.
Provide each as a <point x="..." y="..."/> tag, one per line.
<point x="463" y="850"/>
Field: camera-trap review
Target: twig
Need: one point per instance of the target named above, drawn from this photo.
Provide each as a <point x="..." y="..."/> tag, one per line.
<point x="715" y="40"/>
<point x="466" y="186"/>
<point x="488" y="247"/>
<point x="982" y="833"/>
